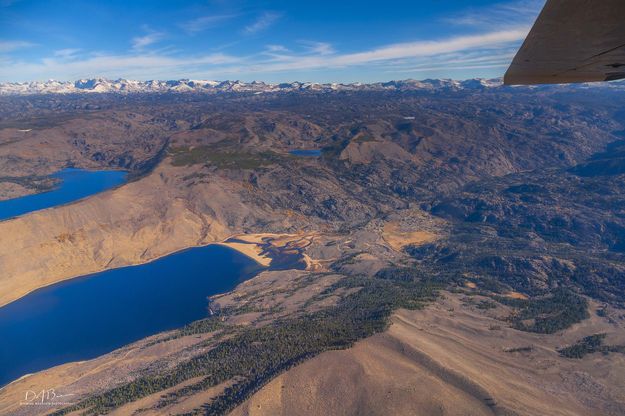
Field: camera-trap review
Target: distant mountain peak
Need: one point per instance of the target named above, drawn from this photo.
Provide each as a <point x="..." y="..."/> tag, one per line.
<point x="124" y="86"/>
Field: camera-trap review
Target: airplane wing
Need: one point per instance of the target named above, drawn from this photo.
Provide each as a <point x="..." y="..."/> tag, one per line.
<point x="572" y="41"/>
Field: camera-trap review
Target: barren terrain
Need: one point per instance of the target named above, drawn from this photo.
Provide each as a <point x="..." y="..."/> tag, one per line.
<point x="508" y="202"/>
<point x="452" y="359"/>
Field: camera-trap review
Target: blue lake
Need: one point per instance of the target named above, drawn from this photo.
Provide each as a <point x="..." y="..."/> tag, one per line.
<point x="86" y="317"/>
<point x="74" y="184"/>
<point x="306" y="153"/>
<point x="91" y="315"/>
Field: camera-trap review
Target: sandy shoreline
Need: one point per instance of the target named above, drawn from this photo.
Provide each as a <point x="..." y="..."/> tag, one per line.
<point x="253" y="251"/>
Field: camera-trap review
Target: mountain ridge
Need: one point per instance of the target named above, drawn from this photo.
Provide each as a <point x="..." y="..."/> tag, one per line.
<point x="126" y="86"/>
<point x="104" y="85"/>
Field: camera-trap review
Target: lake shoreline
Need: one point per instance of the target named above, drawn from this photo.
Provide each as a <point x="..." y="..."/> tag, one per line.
<point x="156" y="297"/>
<point x="59" y="195"/>
<point x="254" y="252"/>
<point x="253" y="247"/>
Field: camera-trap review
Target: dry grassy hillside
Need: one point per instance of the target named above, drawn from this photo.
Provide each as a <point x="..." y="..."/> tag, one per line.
<point x="452" y="359"/>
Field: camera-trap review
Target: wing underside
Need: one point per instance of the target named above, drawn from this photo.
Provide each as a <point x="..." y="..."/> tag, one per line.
<point x="572" y="41"/>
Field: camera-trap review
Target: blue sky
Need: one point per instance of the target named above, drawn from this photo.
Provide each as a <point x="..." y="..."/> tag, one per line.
<point x="272" y="41"/>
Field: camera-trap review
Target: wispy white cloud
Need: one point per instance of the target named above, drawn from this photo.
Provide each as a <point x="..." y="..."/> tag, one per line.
<point x="14" y="45"/>
<point x="276" y="48"/>
<point x="66" y="53"/>
<point x="419" y="49"/>
<point x="148" y="39"/>
<point x="205" y="22"/>
<point x="498" y="15"/>
<point x="264" y="21"/>
<point x="449" y="68"/>
<point x="320" y="48"/>
<point x="491" y="49"/>
<point x="495" y="58"/>
<point x="135" y="66"/>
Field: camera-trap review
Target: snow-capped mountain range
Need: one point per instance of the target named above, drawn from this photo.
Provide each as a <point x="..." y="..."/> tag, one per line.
<point x="125" y="86"/>
<point x="102" y="85"/>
